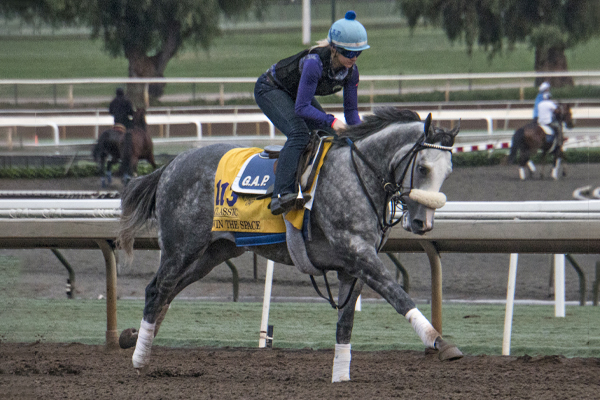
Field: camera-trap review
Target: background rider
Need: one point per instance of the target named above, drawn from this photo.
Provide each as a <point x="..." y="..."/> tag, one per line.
<point x="121" y="109"/>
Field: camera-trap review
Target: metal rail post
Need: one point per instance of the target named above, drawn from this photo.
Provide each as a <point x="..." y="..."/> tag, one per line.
<point x="436" y="283"/>
<point x="108" y="251"/>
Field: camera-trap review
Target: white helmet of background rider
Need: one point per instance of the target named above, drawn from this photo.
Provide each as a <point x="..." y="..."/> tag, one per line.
<point x="544" y="87"/>
<point x="348" y="33"/>
<point x="547" y="96"/>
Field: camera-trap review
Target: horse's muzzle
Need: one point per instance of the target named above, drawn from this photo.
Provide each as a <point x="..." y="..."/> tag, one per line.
<point x="417" y="225"/>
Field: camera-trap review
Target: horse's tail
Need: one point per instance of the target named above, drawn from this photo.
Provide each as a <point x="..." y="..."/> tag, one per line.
<point x="138" y="205"/>
<point x="97" y="150"/>
<point x="517" y="140"/>
<point x="127" y="154"/>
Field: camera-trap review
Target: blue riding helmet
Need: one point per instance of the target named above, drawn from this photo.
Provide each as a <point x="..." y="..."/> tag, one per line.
<point x="348" y="33"/>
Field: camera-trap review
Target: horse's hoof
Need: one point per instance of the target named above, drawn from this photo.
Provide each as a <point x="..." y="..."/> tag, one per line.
<point x="128" y="338"/>
<point x="447" y="351"/>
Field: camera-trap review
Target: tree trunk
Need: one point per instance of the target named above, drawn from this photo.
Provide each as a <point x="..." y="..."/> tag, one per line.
<point x="142" y="66"/>
<point x="552" y="59"/>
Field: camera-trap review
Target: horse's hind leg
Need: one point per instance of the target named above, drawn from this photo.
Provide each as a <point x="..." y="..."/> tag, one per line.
<point x="174" y="275"/>
<point x="102" y="171"/>
<point x="341" y="359"/>
<point x="525" y="161"/>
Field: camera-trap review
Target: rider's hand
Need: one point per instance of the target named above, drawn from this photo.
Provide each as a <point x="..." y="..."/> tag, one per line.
<point x="338" y="125"/>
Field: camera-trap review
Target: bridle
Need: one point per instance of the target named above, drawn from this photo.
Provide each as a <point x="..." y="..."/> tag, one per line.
<point x="396" y="194"/>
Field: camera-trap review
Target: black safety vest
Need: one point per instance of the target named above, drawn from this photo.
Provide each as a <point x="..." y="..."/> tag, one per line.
<point x="287" y="73"/>
<point x="121" y="108"/>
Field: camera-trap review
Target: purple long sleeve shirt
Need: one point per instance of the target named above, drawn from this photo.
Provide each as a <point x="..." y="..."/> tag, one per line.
<point x="312" y="70"/>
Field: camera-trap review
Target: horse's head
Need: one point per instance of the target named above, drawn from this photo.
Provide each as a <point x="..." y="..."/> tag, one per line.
<point x="431" y="164"/>
<point x="563" y="115"/>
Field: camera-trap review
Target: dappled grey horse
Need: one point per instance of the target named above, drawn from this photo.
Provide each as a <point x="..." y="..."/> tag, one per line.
<point x="391" y="159"/>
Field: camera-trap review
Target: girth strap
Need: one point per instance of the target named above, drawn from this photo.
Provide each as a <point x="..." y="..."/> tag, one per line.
<point x="330" y="298"/>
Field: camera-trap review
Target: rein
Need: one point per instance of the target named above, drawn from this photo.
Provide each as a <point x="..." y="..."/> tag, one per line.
<point x="392" y="189"/>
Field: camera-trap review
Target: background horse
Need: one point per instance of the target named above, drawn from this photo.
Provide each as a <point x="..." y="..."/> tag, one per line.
<point x="128" y="147"/>
<point x="392" y="157"/>
<point x="530" y="138"/>
<point x="135" y="146"/>
<point x="108" y="145"/>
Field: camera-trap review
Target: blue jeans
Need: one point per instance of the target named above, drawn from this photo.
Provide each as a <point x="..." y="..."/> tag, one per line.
<point x="278" y="106"/>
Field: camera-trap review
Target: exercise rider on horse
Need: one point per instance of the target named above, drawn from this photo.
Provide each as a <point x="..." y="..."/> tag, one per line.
<point x="543" y="89"/>
<point x="286" y="94"/>
<point x="546" y="116"/>
<point x="121" y="109"/>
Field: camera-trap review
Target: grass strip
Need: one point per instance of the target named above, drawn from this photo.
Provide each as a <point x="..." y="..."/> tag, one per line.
<point x="476" y="329"/>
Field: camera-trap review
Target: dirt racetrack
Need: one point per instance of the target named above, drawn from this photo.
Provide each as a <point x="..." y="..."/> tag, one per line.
<point x="76" y="371"/>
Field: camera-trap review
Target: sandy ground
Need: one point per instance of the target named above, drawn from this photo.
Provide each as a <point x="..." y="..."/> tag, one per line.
<point x="76" y="371"/>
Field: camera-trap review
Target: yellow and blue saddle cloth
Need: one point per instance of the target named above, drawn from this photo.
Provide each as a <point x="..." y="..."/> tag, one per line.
<point x="243" y="175"/>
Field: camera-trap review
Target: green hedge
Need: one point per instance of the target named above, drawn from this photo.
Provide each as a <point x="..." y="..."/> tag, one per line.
<point x="471" y="159"/>
<point x="496" y="157"/>
<point x="76" y="171"/>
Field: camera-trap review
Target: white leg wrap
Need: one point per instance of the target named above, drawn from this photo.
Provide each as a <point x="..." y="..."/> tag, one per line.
<point x="522" y="173"/>
<point x="341" y="363"/>
<point x="531" y="166"/>
<point x="423" y="327"/>
<point x="555" y="169"/>
<point x="141" y="355"/>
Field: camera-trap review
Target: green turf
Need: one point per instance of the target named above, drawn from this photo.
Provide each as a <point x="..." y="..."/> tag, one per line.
<point x="476" y="329"/>
<point x="244" y="54"/>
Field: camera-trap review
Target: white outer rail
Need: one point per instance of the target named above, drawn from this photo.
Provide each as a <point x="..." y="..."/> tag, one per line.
<point x="55" y="122"/>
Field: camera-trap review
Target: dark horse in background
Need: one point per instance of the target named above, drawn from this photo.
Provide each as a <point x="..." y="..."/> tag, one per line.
<point x="128" y="146"/>
<point x="528" y="139"/>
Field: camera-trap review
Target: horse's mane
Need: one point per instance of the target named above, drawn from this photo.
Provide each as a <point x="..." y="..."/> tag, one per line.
<point x="381" y="118"/>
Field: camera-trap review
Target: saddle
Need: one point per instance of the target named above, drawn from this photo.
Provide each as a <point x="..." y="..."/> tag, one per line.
<point x="257" y="175"/>
<point x="119" y="127"/>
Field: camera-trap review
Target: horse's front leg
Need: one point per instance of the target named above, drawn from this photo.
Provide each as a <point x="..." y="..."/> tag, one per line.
<point x="374" y="274"/>
<point x="557" y="167"/>
<point x="341" y="359"/>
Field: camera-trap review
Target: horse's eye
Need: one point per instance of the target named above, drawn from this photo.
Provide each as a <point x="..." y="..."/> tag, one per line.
<point x="422" y="169"/>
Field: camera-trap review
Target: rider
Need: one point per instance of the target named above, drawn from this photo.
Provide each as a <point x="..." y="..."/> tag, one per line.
<point x="544" y="88"/>
<point x="286" y="94"/>
<point x="121" y="109"/>
<point x="546" y="116"/>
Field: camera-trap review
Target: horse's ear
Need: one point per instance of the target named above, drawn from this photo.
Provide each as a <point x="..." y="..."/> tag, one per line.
<point x="455" y="131"/>
<point x="427" y="125"/>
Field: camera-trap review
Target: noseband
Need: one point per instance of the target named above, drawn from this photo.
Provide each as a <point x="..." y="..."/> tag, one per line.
<point x="396" y="194"/>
